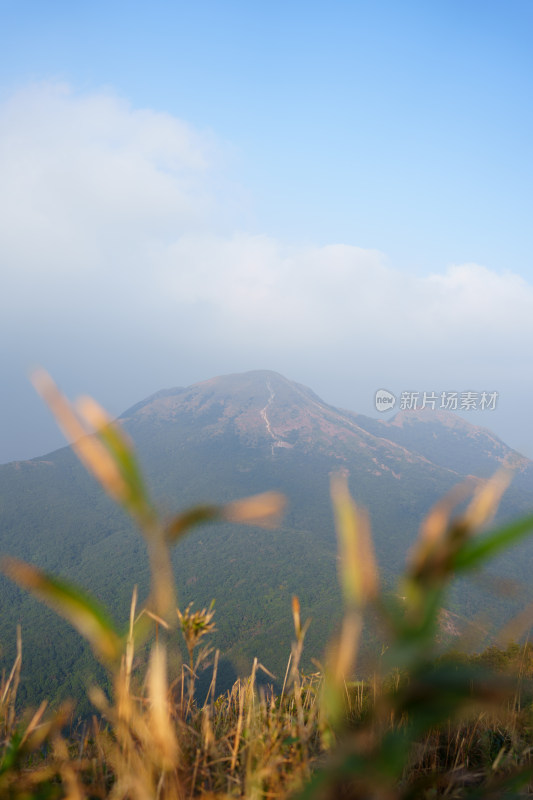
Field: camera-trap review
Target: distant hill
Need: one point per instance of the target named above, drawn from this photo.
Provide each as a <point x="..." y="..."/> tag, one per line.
<point x="447" y="440"/>
<point x="217" y="441"/>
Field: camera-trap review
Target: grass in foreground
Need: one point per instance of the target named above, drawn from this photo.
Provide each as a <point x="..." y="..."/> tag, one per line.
<point x="424" y="727"/>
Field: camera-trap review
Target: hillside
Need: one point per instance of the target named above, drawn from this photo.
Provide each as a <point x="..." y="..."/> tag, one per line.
<point x="216" y="441"/>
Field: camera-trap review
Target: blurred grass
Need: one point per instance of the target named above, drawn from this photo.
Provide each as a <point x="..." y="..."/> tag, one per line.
<point x="424" y="725"/>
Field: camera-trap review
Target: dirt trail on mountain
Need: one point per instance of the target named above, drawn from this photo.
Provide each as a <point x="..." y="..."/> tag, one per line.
<point x="278" y="442"/>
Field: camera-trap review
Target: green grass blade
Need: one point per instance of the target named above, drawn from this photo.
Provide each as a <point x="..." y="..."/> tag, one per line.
<point x="81" y="611"/>
<point x="479" y="549"/>
<point x="135" y="497"/>
<point x="263" y="510"/>
<point x="11" y="752"/>
<point x="137" y="500"/>
<point x="182" y="523"/>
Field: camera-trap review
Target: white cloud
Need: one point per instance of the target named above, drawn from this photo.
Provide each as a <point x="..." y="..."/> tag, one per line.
<point x="108" y="220"/>
<point x="339" y="294"/>
<point x="86" y="179"/>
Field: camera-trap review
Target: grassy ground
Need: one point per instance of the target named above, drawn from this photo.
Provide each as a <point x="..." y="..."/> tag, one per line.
<point x="250" y="743"/>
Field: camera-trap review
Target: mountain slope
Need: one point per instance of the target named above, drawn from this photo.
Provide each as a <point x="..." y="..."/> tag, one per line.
<point x="216" y="441"/>
<point x="447" y="440"/>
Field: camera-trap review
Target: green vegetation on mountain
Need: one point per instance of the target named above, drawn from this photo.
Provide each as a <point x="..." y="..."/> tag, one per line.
<point x="429" y="723"/>
<point x="223" y="439"/>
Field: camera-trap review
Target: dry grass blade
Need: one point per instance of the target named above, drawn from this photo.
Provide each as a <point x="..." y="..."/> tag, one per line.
<point x="89" y="450"/>
<point x="162" y="730"/>
<point x="9" y="688"/>
<point x="238" y="731"/>
<point x="517" y="626"/>
<point x="358" y="570"/>
<point x="486" y="499"/>
<point x="443" y="540"/>
<point x="181" y="524"/>
<point x="83" y="613"/>
<point x="435" y="525"/>
<point x="101" y="445"/>
<point x="162" y="601"/>
<point x="440" y="538"/>
<point x="8" y="693"/>
<point x="343" y="654"/>
<point x="359" y="579"/>
<point x="264" y="510"/>
<point x="120" y="448"/>
<point x="296" y="617"/>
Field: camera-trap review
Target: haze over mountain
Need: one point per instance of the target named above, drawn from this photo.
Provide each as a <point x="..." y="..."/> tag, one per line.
<point x="217" y="441"/>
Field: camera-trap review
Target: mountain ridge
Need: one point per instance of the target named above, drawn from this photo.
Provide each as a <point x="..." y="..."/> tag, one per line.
<point x="369" y="429"/>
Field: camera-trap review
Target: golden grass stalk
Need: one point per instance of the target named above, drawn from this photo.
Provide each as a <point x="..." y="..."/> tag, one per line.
<point x="163" y="736"/>
<point x="357" y="565"/>
<point x="264" y="510"/>
<point x="89" y="449"/>
<point x="82" y="612"/>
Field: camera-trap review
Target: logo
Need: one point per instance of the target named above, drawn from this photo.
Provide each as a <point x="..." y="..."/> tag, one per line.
<point x="384" y="400"/>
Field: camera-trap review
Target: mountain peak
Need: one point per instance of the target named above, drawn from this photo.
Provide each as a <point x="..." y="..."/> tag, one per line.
<point x="262" y="407"/>
<point x="256" y="405"/>
<point x="242" y="389"/>
<point x="252" y="382"/>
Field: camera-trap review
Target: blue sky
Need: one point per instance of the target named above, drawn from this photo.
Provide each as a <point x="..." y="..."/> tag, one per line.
<point x="339" y="191"/>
